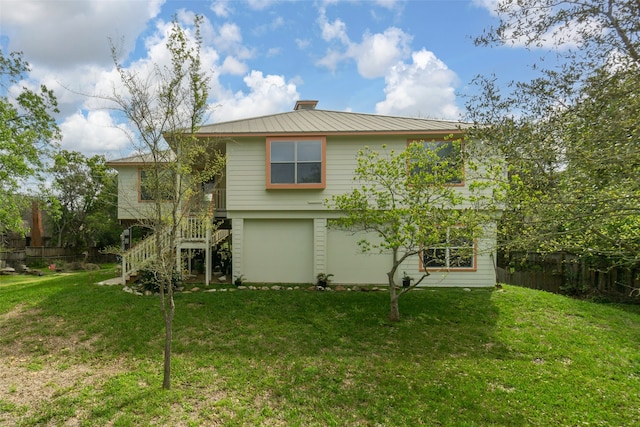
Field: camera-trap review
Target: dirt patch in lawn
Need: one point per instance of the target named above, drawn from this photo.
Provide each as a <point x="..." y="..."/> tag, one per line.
<point x="45" y="363"/>
<point x="37" y="367"/>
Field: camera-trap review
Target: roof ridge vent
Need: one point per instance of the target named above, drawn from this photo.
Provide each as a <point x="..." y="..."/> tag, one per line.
<point x="305" y="105"/>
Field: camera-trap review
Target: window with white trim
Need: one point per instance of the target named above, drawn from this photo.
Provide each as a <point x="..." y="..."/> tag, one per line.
<point x="456" y="252"/>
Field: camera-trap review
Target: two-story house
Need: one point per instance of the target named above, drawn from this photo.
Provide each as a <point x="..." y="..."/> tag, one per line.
<point x="281" y="168"/>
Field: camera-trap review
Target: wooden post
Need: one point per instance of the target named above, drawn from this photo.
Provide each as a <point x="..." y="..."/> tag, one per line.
<point x="36" y="227"/>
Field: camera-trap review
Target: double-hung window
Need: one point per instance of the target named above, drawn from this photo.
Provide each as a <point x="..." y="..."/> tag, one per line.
<point x="457" y="252"/>
<point x="296" y="162"/>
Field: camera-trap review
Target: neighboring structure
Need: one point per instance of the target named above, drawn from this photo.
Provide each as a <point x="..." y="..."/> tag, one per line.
<point x="280" y="170"/>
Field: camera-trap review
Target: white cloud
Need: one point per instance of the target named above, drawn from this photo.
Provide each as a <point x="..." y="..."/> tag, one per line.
<point x="228" y="35"/>
<point x="303" y="43"/>
<point x="260" y="4"/>
<point x="423" y="88"/>
<point x="232" y="66"/>
<point x="489" y="5"/>
<point x="267" y="95"/>
<point x="561" y="37"/>
<point x="378" y="52"/>
<point x="331" y="59"/>
<point x="273" y="51"/>
<point x="61" y="34"/>
<point x="95" y="133"/>
<point x="387" y="4"/>
<point x="374" y="55"/>
<point x="334" y="30"/>
<point x="221" y="8"/>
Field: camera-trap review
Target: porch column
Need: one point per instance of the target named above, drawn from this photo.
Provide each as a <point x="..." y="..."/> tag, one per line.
<point x="319" y="246"/>
<point x="207" y="258"/>
<point x="237" y="237"/>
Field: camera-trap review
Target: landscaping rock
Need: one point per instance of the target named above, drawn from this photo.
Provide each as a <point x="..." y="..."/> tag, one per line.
<point x="8" y="270"/>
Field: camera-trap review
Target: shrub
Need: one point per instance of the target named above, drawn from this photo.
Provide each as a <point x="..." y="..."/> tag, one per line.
<point x="148" y="281"/>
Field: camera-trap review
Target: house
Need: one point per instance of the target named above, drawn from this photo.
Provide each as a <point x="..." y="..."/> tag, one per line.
<point x="280" y="169"/>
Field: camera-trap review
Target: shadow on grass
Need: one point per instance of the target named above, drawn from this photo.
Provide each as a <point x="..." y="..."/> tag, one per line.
<point x="434" y="323"/>
<point x="437" y="323"/>
<point x="331" y="358"/>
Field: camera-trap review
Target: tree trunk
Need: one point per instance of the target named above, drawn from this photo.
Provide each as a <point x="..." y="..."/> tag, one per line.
<point x="168" y="337"/>
<point x="167" y="306"/>
<point x="394" y="312"/>
<point x="168" y="333"/>
<point x="394" y="309"/>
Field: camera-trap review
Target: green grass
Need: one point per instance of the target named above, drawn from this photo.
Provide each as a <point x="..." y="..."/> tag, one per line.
<point x="79" y="354"/>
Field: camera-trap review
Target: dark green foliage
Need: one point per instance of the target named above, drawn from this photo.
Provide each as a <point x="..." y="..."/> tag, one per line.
<point x="148" y="280"/>
<point x="28" y="133"/>
<point x="82" y="202"/>
<point x="571" y="134"/>
<point x="323" y="279"/>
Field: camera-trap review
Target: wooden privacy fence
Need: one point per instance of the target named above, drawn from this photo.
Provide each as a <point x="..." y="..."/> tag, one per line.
<point x="530" y="279"/>
<point x="567" y="274"/>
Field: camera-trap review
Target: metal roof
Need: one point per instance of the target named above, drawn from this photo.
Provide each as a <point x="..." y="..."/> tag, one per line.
<point x="142" y="159"/>
<point x="314" y="121"/>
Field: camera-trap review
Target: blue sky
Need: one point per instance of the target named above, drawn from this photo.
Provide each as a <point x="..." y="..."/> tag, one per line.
<point x="406" y="58"/>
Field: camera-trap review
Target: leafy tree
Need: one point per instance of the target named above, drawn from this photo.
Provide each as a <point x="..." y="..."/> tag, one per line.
<point x="572" y="134"/>
<point x="81" y="189"/>
<point x="405" y="201"/>
<point x="27" y="133"/>
<point x="102" y="220"/>
<point x="166" y="108"/>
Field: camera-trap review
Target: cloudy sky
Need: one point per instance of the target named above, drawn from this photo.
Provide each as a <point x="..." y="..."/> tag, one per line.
<point x="407" y="58"/>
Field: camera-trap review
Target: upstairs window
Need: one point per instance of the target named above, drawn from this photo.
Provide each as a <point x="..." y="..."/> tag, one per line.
<point x="456" y="252"/>
<point x="164" y="187"/>
<point x="445" y="160"/>
<point x="296" y="163"/>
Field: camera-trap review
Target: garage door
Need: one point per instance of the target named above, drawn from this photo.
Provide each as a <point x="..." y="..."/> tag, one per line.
<point x="278" y="251"/>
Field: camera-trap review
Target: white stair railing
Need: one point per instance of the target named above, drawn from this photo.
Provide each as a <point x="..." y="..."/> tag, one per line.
<point x="192" y="229"/>
<point x="141" y="254"/>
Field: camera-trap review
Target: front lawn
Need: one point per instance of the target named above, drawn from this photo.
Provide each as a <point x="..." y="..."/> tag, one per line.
<point x="74" y="353"/>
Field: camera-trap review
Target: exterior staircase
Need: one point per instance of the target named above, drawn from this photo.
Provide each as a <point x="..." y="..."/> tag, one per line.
<point x="193" y="233"/>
